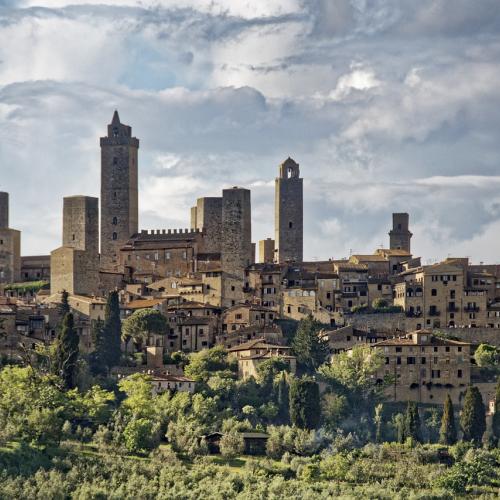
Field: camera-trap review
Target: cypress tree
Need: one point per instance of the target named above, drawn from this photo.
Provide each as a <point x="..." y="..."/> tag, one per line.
<point x="283" y="399"/>
<point x="412" y="422"/>
<point x="64" y="308"/>
<point x="112" y="331"/>
<point x="495" y="425"/>
<point x="448" y="431"/>
<point x="66" y="352"/>
<point x="309" y="347"/>
<point x="97" y="362"/>
<point x="473" y="417"/>
<point x="305" y="409"/>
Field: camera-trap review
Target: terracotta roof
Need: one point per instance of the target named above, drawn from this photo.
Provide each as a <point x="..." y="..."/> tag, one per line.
<point x="434" y="341"/>
<point x="369" y="258"/>
<point x="171" y="378"/>
<point x="256" y="344"/>
<point x="144" y="304"/>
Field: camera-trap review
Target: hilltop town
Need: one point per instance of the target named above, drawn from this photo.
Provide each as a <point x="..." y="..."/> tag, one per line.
<point x="213" y="289"/>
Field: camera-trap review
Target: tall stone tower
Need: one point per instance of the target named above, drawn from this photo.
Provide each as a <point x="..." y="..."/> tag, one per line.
<point x="4" y="210"/>
<point x="288" y="213"/>
<point x="119" y="190"/>
<point x="74" y="267"/>
<point x="10" y="245"/>
<point x="81" y="223"/>
<point x="236" y="243"/>
<point x="208" y="218"/>
<point x="400" y="236"/>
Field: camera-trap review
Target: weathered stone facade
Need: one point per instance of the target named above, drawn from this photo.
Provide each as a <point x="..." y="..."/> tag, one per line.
<point x="209" y="220"/>
<point x="81" y="223"/>
<point x="75" y="266"/>
<point x="236" y="243"/>
<point x="266" y="251"/>
<point x="119" y="191"/>
<point x="10" y="245"/>
<point x="400" y="236"/>
<point x="288" y="216"/>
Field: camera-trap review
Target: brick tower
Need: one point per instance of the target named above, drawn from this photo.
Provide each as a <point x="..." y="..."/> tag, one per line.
<point x="288" y="213"/>
<point x="119" y="191"/>
<point x="400" y="236"/>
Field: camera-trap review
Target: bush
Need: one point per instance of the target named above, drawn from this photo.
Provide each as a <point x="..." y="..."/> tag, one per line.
<point x="232" y="444"/>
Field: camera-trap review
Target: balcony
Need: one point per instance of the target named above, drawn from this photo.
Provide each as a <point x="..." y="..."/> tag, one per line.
<point x="433" y="312"/>
<point x="413" y="314"/>
<point x="453" y="309"/>
<point x="471" y="309"/>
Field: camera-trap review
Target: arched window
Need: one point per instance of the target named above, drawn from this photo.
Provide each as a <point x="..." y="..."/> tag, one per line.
<point x="115" y="131"/>
<point x="115" y="221"/>
<point x="115" y="236"/>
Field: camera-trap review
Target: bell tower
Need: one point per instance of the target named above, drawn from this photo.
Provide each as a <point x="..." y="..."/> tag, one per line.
<point x="288" y="213"/>
<point x="119" y="191"/>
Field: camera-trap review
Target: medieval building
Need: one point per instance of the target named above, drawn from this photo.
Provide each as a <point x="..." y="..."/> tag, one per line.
<point x="10" y="245"/>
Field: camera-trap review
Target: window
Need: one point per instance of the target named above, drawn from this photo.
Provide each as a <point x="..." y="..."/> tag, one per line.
<point x="115" y="160"/>
<point x="398" y="360"/>
<point x="436" y="374"/>
<point x="167" y="255"/>
<point x="447" y="349"/>
<point x="348" y="338"/>
<point x="423" y="360"/>
<point x="184" y="254"/>
<point x="386" y="361"/>
<point x="115" y="131"/>
<point x="115" y="221"/>
<point x="433" y="292"/>
<point x="459" y="349"/>
<point x="290" y="225"/>
<point x="410" y="360"/>
<point x="435" y="349"/>
<point x="115" y="236"/>
<point x="452" y="294"/>
<point x="399" y="349"/>
<point x="459" y="373"/>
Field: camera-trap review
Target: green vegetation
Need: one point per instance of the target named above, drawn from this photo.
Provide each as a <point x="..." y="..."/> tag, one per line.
<point x="68" y="432"/>
<point x="142" y="323"/>
<point x="309" y="347"/>
<point x="27" y="286"/>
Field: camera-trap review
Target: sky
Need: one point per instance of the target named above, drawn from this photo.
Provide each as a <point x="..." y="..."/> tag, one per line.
<point x="387" y="105"/>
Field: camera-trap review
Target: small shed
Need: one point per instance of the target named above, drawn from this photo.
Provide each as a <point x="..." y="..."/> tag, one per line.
<point x="255" y="442"/>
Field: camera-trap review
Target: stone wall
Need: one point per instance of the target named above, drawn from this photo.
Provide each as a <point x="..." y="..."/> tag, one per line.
<point x="381" y="322"/>
<point x="475" y="335"/>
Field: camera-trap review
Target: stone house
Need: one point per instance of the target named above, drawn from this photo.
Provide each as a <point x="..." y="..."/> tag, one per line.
<point x="424" y="368"/>
<point x="251" y="354"/>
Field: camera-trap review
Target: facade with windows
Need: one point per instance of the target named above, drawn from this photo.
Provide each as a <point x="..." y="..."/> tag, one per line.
<point x="424" y="368"/>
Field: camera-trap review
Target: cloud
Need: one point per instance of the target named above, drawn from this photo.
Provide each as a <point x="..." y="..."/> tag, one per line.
<point x="387" y="106"/>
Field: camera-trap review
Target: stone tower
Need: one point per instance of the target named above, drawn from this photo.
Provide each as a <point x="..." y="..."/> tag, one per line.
<point x="119" y="191"/>
<point x="207" y="217"/>
<point x="10" y="245"/>
<point x="4" y="210"/>
<point x="266" y="251"/>
<point x="236" y="243"/>
<point x="400" y="236"/>
<point x="74" y="267"/>
<point x="81" y="223"/>
<point x="288" y="213"/>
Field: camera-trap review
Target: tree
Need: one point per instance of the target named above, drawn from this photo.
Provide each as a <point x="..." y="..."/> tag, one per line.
<point x="143" y="323"/>
<point x="412" y="422"/>
<point x="269" y="369"/>
<point x="64" y="307"/>
<point x="334" y="407"/>
<point x="378" y="420"/>
<point x="283" y="398"/>
<point x="354" y="373"/>
<point x="203" y="364"/>
<point x="448" y="431"/>
<point x="495" y="424"/>
<point x="309" y="347"/>
<point x="380" y="303"/>
<point x="305" y="410"/>
<point x="232" y="444"/>
<point x="66" y="352"/>
<point x="112" y="331"/>
<point x="473" y="417"/>
<point x="487" y="356"/>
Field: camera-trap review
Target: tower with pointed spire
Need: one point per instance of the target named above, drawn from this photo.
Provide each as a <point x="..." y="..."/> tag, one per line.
<point x="288" y="213"/>
<point x="119" y="191"/>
